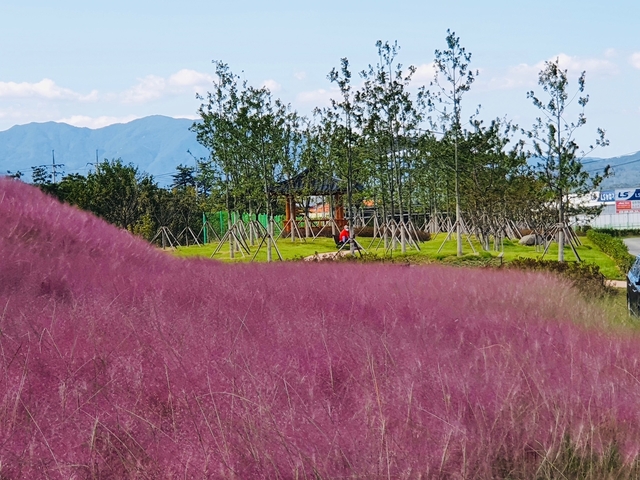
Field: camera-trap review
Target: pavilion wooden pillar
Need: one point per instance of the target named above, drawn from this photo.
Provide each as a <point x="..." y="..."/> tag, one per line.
<point x="290" y="212"/>
<point x="339" y="209"/>
<point x="287" y="220"/>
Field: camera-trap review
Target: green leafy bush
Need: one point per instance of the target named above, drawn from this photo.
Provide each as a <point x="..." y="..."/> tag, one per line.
<point x="614" y="247"/>
<point x="586" y="277"/>
<point x="581" y="230"/>
<point x="629" y="232"/>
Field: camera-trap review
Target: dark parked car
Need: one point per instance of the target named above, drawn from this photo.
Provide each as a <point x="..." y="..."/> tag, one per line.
<point x="633" y="288"/>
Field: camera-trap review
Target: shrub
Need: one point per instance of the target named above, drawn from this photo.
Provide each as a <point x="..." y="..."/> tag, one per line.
<point x="614" y="232"/>
<point x="614" y="247"/>
<point x="120" y="361"/>
<point x="581" y="230"/>
<point x="586" y="277"/>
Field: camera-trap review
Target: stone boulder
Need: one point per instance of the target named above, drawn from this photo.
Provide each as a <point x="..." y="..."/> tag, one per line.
<point x="530" y="240"/>
<point x="322" y="257"/>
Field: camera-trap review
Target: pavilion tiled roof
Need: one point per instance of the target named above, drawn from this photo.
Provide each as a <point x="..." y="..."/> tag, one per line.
<point x="308" y="184"/>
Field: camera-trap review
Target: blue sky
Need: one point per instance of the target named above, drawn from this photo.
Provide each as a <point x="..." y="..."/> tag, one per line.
<point x="91" y="63"/>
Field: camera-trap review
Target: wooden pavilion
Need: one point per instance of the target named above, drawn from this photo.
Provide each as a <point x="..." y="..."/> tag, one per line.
<point x="306" y="184"/>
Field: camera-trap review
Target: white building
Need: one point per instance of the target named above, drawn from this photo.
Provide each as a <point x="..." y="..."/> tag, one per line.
<point x="621" y="208"/>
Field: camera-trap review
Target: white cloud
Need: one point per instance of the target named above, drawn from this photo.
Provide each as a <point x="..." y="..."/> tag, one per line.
<point x="634" y="60"/>
<point x="95" y="122"/>
<point x="190" y="78"/>
<point x="45" y="88"/>
<point x="522" y="75"/>
<point x="188" y="116"/>
<point x="43" y="101"/>
<point x="148" y="88"/>
<point x="318" y="98"/>
<point x="300" y="75"/>
<point x="272" y="85"/>
<point x="424" y="74"/>
<point x="153" y="87"/>
<point x="591" y="65"/>
<point x="525" y="75"/>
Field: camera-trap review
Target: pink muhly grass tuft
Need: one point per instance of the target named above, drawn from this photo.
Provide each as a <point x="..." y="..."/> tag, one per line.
<point x="120" y="361"/>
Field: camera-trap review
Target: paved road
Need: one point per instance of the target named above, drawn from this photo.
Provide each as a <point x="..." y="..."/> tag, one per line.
<point x="633" y="244"/>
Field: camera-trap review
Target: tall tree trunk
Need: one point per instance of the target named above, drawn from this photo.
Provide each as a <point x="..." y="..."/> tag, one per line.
<point x="560" y="199"/>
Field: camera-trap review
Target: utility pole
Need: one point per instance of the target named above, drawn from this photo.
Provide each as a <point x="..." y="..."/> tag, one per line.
<point x="195" y="171"/>
<point x="54" y="166"/>
<point x="53" y="159"/>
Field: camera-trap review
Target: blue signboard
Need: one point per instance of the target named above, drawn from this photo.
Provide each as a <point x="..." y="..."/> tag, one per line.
<point x="627" y="194"/>
<point x="607" y="196"/>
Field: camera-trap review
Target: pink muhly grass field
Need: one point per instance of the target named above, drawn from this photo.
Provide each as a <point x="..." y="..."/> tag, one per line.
<point x="120" y="361"/>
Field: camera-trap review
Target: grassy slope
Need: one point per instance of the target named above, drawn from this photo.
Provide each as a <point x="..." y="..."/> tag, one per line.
<point x="429" y="251"/>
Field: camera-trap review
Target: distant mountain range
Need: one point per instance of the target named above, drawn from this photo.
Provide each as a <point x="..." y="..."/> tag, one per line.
<point x="625" y="170"/>
<point x="155" y="144"/>
<point x="158" y="144"/>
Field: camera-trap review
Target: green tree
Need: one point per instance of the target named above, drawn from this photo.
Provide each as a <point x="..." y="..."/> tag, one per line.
<point x="267" y="142"/>
<point x="554" y="145"/>
<point x="390" y="126"/>
<point x="40" y="175"/>
<point x="453" y="79"/>
<point x="218" y="133"/>
<point x="205" y="178"/>
<point x="253" y="140"/>
<point x="346" y="112"/>
<point x="72" y="189"/>
<point x="115" y="192"/>
<point x="490" y="171"/>
<point x="184" y="177"/>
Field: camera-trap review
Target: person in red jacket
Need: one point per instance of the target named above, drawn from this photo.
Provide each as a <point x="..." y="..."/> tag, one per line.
<point x="344" y="236"/>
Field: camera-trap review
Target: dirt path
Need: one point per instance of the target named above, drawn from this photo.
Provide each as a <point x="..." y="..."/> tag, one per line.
<point x="617" y="283"/>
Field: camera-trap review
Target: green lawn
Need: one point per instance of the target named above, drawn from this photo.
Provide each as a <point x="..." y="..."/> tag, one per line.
<point x="429" y="252"/>
<point x="588" y="253"/>
<point x="289" y="250"/>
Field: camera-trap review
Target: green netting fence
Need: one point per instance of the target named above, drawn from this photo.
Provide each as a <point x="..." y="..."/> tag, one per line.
<point x="219" y="222"/>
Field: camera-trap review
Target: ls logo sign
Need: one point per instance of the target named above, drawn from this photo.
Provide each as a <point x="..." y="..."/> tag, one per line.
<point x="627" y="194"/>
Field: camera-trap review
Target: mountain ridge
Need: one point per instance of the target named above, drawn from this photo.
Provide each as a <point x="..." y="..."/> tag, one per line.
<point x="157" y="144"/>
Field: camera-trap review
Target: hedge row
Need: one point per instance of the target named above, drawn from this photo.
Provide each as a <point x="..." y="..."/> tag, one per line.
<point x="625" y="232"/>
<point x="586" y="277"/>
<point x="614" y="247"/>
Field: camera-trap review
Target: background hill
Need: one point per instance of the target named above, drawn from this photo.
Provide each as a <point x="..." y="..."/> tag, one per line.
<point x="156" y="144"/>
<point x="625" y="170"/>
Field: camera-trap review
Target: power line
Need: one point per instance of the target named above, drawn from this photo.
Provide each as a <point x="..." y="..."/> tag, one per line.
<point x="53" y="166"/>
<point x="618" y="165"/>
<point x="595" y="160"/>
